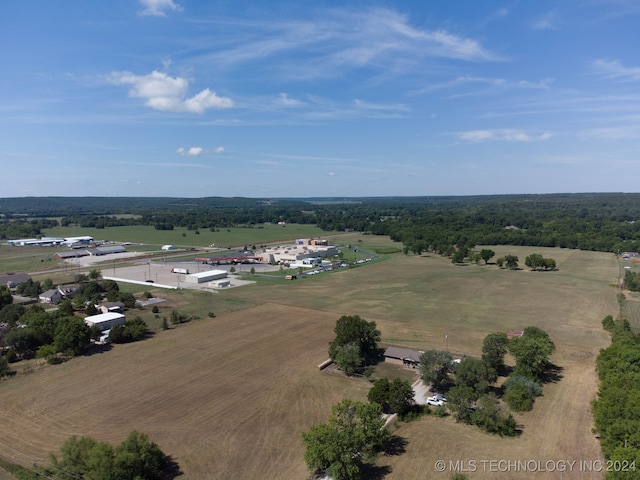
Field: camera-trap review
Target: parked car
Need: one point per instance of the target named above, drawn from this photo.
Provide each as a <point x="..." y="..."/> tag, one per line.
<point x="435" y="402"/>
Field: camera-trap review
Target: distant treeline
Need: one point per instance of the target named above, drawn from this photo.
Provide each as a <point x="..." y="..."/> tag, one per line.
<point x="602" y="222"/>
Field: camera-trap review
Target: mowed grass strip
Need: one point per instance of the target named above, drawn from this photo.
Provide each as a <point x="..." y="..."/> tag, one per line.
<point x="226" y="397"/>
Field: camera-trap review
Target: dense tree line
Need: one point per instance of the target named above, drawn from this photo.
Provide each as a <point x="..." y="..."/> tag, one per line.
<point x="600" y="222"/>
<point x="616" y="411"/>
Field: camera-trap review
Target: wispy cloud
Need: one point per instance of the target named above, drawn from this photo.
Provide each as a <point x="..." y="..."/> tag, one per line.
<point x="548" y="21"/>
<point x="615" y="69"/>
<point x="505" y="135"/>
<point x="158" y="8"/>
<point x="379" y="39"/>
<point x="163" y="92"/>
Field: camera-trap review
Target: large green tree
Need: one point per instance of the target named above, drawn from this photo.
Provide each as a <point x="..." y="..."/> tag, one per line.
<point x="494" y="348"/>
<point x="476" y="374"/>
<point x="348" y="358"/>
<point x="355" y="330"/>
<point x="532" y="351"/>
<point x="72" y="335"/>
<point x="396" y="396"/>
<point x="435" y="366"/>
<point x="353" y="435"/>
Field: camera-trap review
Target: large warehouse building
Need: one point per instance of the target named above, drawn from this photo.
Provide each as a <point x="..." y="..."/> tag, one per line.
<point x="203" y="277"/>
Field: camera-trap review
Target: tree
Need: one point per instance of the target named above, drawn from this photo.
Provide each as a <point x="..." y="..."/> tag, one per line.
<point x="458" y="257"/>
<point x="500" y="262"/>
<point x="532" y="351"/>
<point x="534" y="261"/>
<point x="10" y="314"/>
<point x="135" y="458"/>
<point x="476" y="374"/>
<point x="511" y="261"/>
<point x="460" y="401"/>
<point x="379" y="393"/>
<point x="72" y="335"/>
<point x="65" y="307"/>
<point x="487" y="255"/>
<point x="401" y="397"/>
<point x="47" y="284"/>
<point x="4" y="366"/>
<point x="494" y="348"/>
<point x="353" y="435"/>
<point x="95" y="274"/>
<point x="490" y="416"/>
<point x="518" y="397"/>
<point x="548" y="264"/>
<point x="363" y="334"/>
<point x="128" y="299"/>
<point x="348" y="358"/>
<point x="396" y="396"/>
<point x="91" y="310"/>
<point x="435" y="366"/>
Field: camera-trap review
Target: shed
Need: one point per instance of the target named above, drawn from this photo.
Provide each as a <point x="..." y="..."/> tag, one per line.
<point x="207" y="276"/>
<point x="105" y="321"/>
<point x="221" y="283"/>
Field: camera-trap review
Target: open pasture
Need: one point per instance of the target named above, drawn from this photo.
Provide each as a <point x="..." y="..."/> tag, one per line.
<point x="182" y="237"/>
<point x="226" y="397"/>
<point x="229" y="396"/>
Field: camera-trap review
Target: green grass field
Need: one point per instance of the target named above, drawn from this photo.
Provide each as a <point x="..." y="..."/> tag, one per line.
<point x="247" y="380"/>
<point x="181" y="237"/>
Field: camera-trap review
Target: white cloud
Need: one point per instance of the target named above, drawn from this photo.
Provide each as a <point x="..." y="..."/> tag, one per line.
<point x="197" y="151"/>
<point x="506" y="135"/>
<point x="166" y="93"/>
<point x="615" y="69"/>
<point x="158" y="8"/>
<point x="331" y="174"/>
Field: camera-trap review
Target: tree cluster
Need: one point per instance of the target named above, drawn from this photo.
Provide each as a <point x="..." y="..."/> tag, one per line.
<point x="535" y="261"/>
<point x="133" y="329"/>
<point x="352" y="436"/>
<point x="136" y="458"/>
<point x="471" y="397"/>
<point x="615" y="411"/>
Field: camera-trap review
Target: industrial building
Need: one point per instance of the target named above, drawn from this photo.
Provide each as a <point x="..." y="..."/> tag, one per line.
<point x="303" y="249"/>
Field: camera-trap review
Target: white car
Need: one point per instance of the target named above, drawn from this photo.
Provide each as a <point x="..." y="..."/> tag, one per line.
<point x="435" y="401"/>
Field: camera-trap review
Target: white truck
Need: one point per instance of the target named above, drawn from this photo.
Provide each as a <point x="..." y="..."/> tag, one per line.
<point x="184" y="271"/>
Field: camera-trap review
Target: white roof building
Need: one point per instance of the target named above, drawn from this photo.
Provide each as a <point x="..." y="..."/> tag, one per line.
<point x="207" y="276"/>
<point x="105" y="321"/>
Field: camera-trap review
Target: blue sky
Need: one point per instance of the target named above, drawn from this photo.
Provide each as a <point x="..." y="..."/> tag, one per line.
<point x="318" y="98"/>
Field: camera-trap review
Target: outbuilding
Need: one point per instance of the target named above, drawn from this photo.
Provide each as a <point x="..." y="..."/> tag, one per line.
<point x="105" y="321"/>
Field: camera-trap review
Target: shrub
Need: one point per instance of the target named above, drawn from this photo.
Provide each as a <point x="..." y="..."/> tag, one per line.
<point x="155" y="309"/>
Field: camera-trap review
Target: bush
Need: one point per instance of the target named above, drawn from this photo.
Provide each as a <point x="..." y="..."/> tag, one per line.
<point x="155" y="309"/>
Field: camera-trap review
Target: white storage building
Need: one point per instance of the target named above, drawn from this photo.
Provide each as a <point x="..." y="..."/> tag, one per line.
<point x="105" y="321"/>
<point x="203" y="277"/>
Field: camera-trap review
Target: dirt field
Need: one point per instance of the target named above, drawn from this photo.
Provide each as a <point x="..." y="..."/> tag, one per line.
<point x="228" y="397"/>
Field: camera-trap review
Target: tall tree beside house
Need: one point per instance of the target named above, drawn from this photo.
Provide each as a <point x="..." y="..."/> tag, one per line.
<point x="355" y="330"/>
<point x="72" y="336"/>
